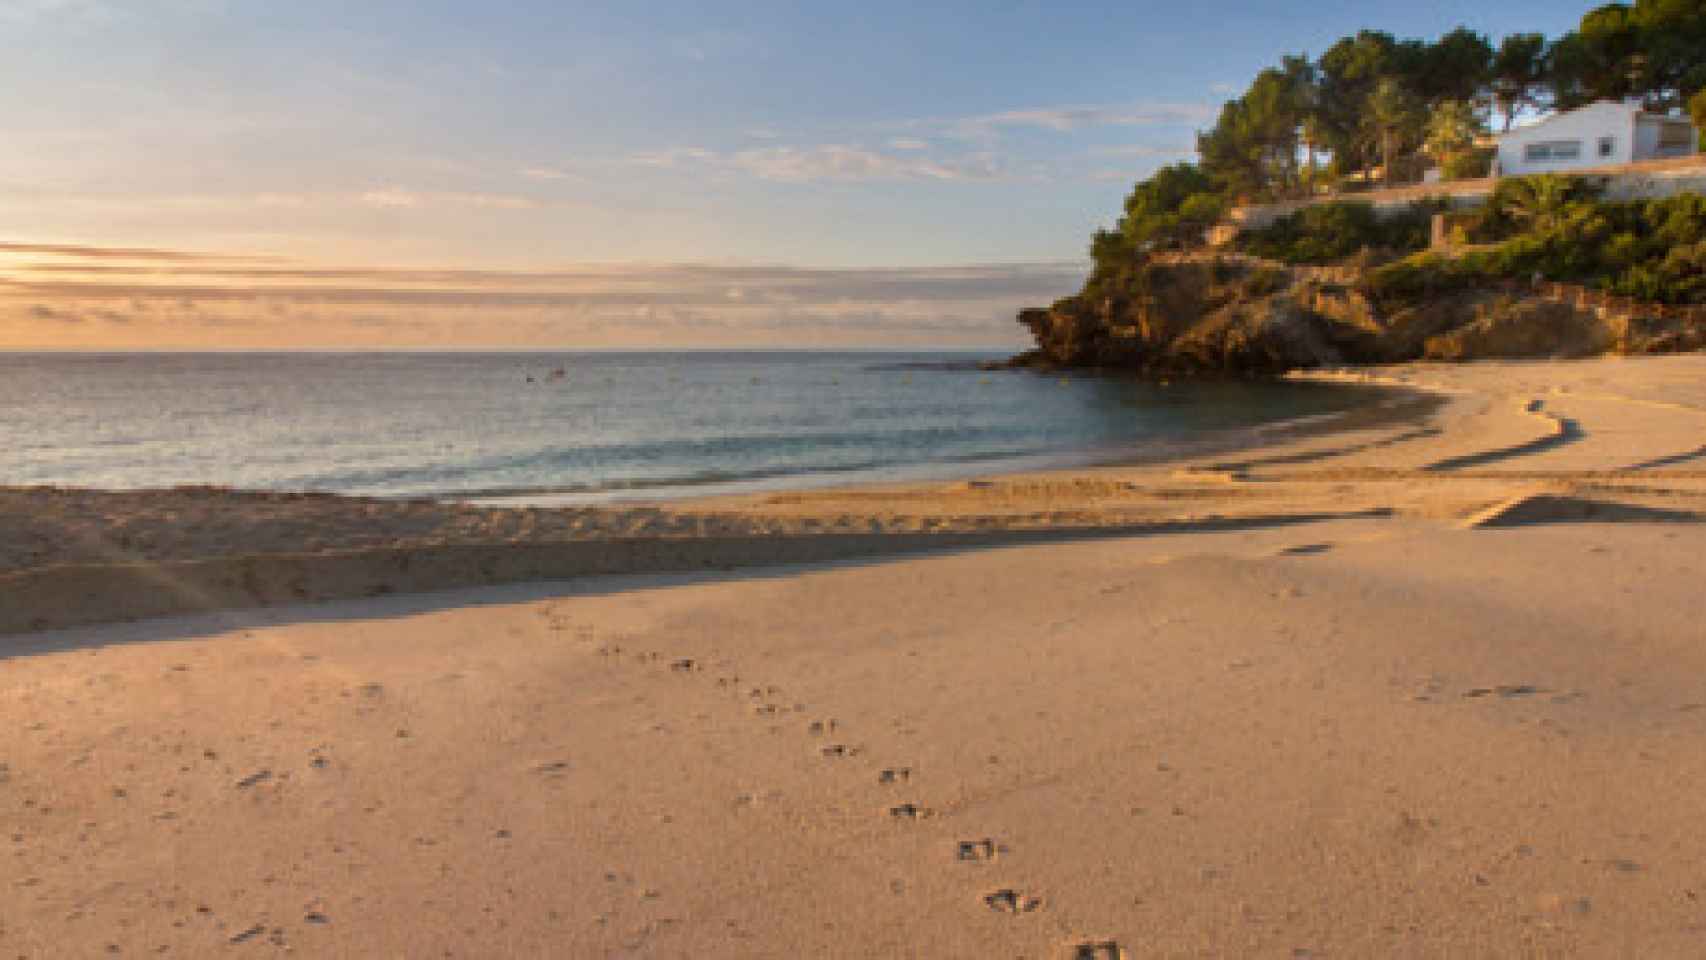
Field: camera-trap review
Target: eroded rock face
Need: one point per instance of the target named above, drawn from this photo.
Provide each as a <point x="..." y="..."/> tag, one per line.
<point x="1194" y="318"/>
<point x="1507" y="327"/>
<point x="1224" y="318"/>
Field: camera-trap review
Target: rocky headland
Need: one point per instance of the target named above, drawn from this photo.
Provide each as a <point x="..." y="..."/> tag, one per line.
<point x="1207" y="314"/>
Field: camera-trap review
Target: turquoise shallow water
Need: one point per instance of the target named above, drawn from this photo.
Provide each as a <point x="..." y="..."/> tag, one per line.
<point x="499" y="426"/>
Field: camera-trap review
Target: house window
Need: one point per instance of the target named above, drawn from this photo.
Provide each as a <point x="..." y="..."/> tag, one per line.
<point x="1675" y="138"/>
<point x="1607" y="146"/>
<point x="1552" y="151"/>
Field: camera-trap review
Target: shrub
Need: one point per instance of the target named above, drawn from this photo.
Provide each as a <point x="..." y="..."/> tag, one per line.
<point x="1519" y="204"/>
<point x="1266" y="281"/>
<point x="1652" y="250"/>
<point x="1468" y="165"/>
<point x="1330" y="232"/>
<point x="1416" y="278"/>
<point x="1171" y="208"/>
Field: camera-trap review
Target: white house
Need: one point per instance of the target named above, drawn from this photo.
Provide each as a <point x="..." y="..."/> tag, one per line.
<point x="1600" y="134"/>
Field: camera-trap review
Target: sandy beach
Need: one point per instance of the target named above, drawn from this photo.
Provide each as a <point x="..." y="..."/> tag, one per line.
<point x="1425" y="686"/>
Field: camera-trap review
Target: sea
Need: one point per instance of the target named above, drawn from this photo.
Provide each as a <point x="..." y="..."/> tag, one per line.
<point x="565" y="428"/>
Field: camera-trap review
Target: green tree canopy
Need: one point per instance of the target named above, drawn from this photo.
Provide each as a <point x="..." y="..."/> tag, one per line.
<point x="1519" y="75"/>
<point x="1451" y="129"/>
<point x="1654" y="49"/>
<point x="1393" y="118"/>
<point x="1458" y="66"/>
<point x="1169" y="206"/>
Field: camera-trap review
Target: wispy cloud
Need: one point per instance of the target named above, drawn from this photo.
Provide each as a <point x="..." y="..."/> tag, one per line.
<point x="93" y="12"/>
<point x="942" y="149"/>
<point x="43" y="312"/>
<point x="847" y="163"/>
<point x="391" y="198"/>
<point x="398" y="198"/>
<point x="672" y="157"/>
<point x="1143" y="150"/>
<point x="90" y="252"/>
<point x="491" y="201"/>
<point x="548" y="173"/>
<point x="677" y="284"/>
<point x="49" y="293"/>
<point x="835" y="162"/>
<point x="1065" y="119"/>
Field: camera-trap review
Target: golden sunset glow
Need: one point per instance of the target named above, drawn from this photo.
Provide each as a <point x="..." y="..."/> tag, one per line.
<point x="73" y="296"/>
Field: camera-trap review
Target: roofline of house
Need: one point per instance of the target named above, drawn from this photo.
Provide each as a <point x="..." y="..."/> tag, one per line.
<point x="1638" y="112"/>
<point x="1559" y="114"/>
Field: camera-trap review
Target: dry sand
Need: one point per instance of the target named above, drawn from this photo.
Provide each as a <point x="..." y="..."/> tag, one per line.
<point x="1429" y="688"/>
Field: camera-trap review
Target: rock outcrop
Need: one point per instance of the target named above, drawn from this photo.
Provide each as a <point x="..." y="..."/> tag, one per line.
<point x="1215" y="316"/>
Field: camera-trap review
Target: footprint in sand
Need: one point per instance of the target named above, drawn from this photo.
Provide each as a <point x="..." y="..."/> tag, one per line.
<point x="684" y="665"/>
<point x="977" y="851"/>
<point x="908" y="811"/>
<point x="248" y="934"/>
<point x="1509" y="691"/>
<point x="895" y="775"/>
<point x="1096" y="950"/>
<point x="818" y="728"/>
<point x="838" y="751"/>
<point x="1011" y="901"/>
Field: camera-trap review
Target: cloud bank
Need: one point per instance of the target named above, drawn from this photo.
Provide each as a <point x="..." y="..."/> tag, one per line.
<point x="59" y="296"/>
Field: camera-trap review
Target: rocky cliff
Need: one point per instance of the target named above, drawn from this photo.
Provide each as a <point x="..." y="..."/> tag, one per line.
<point x="1218" y="316"/>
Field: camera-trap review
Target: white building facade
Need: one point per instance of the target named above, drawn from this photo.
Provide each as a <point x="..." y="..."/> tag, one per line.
<point x="1600" y="134"/>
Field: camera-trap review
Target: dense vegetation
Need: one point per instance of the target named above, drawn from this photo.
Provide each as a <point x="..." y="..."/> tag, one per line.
<point x="1556" y="229"/>
<point x="1328" y="232"/>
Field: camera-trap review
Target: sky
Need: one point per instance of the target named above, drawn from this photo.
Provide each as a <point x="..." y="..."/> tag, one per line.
<point x="533" y="174"/>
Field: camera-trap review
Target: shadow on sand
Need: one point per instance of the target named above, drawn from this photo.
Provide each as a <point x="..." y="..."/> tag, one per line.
<point x="148" y="603"/>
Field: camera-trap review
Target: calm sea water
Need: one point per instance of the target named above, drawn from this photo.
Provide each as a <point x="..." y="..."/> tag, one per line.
<point x="610" y="424"/>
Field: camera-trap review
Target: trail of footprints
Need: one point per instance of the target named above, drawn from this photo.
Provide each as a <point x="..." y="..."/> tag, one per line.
<point x="766" y="702"/>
